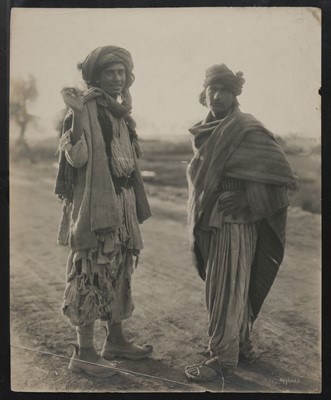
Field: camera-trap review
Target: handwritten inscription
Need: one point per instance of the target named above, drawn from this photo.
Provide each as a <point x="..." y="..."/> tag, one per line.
<point x="285" y="381"/>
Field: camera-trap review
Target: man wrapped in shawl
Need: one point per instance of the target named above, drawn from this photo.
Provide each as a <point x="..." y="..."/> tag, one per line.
<point x="238" y="181"/>
<point x="104" y="202"/>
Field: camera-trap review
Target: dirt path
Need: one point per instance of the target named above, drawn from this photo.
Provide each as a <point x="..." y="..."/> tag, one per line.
<point x="170" y="312"/>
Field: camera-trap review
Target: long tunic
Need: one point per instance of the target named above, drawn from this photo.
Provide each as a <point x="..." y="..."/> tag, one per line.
<point x="99" y="278"/>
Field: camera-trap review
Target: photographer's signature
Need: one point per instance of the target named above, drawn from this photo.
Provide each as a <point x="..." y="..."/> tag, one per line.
<point x="285" y="381"/>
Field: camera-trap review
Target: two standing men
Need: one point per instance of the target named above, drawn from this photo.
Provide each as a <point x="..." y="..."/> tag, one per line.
<point x="237" y="207"/>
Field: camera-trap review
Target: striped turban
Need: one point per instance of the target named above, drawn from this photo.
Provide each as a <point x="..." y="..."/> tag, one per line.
<point x="222" y="74"/>
<point x="102" y="56"/>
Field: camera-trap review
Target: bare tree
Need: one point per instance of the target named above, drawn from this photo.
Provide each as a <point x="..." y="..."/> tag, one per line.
<point x="58" y="120"/>
<point x="23" y="92"/>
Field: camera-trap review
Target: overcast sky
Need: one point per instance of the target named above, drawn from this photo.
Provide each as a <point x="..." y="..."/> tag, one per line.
<point x="277" y="49"/>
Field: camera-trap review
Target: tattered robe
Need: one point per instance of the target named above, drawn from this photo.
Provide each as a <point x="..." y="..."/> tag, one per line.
<point x="99" y="225"/>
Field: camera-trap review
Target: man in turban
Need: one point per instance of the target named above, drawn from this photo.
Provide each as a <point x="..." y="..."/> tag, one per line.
<point x="104" y="202"/>
<point x="238" y="181"/>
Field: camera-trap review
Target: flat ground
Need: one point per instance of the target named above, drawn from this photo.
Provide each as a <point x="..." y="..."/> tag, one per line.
<point x="170" y="312"/>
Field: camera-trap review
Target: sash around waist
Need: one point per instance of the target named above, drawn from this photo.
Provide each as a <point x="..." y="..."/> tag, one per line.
<point x="124" y="182"/>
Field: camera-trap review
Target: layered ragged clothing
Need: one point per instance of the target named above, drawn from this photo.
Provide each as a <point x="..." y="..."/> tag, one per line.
<point x="104" y="201"/>
<point x="239" y="258"/>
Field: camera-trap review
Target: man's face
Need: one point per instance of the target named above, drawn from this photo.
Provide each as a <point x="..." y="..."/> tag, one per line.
<point x="219" y="99"/>
<point x="112" y="79"/>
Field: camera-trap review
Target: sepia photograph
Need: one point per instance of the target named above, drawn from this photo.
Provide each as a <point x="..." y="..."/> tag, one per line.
<point x="165" y="200"/>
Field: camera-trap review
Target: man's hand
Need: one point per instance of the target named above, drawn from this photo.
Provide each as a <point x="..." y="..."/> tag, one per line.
<point x="73" y="99"/>
<point x="92" y="93"/>
<point x="233" y="205"/>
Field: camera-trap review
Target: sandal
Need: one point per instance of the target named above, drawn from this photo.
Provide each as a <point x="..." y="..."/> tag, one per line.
<point x="193" y="372"/>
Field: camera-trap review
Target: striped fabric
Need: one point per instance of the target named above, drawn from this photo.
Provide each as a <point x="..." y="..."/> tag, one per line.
<point x="262" y="162"/>
<point x="231" y="184"/>
<point x="265" y="199"/>
<point x="239" y="147"/>
<point x="259" y="158"/>
<point x="121" y="160"/>
<point x="230" y="255"/>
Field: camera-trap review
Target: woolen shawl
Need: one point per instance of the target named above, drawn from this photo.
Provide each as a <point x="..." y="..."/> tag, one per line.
<point x="98" y="211"/>
<point x="239" y="146"/>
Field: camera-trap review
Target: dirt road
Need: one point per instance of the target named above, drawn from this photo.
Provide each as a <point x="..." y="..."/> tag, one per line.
<point x="170" y="312"/>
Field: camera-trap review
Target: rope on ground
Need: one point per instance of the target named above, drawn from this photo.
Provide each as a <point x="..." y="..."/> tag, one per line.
<point x="116" y="368"/>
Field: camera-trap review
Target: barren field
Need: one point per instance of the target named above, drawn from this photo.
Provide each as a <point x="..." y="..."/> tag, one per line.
<point x="169" y="298"/>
